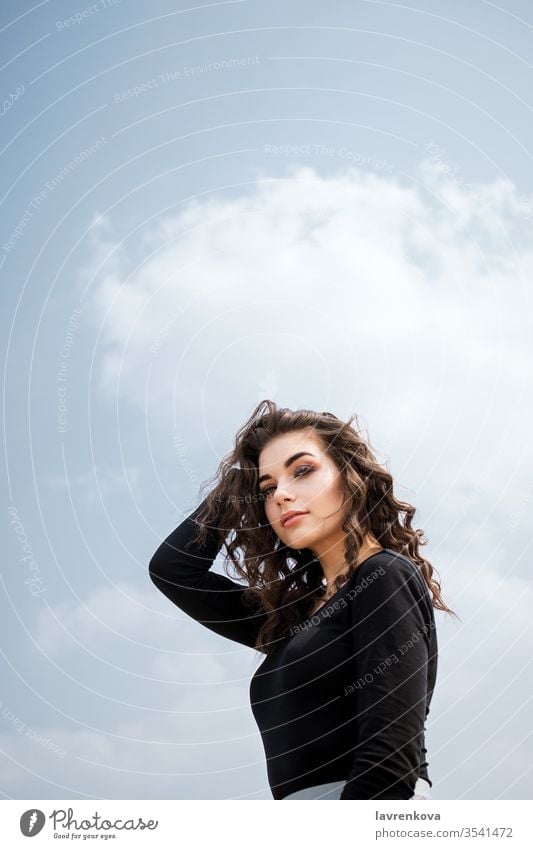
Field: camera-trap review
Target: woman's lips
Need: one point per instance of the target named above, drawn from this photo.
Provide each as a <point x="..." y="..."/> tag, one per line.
<point x="292" y="519"/>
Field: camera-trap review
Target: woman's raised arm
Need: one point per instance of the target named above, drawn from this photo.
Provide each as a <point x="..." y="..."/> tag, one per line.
<point x="183" y="574"/>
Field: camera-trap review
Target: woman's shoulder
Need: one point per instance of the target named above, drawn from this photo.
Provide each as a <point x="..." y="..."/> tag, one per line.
<point x="387" y="559"/>
<point x="392" y="567"/>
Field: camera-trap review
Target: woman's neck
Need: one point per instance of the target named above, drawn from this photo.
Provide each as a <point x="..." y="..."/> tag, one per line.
<point x="332" y="565"/>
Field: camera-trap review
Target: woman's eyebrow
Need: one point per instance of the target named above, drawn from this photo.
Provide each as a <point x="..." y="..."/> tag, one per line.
<point x="287" y="463"/>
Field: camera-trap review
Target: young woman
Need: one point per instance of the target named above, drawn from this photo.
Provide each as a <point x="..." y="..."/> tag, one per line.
<point x="337" y="598"/>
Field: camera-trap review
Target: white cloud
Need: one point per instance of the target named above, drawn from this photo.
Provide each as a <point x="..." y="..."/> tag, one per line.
<point x="405" y="303"/>
<point x="159" y="756"/>
<point x="172" y="709"/>
<point x="116" y="616"/>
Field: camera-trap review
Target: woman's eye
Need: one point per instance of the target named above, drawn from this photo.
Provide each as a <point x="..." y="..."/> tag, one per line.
<point x="303" y="471"/>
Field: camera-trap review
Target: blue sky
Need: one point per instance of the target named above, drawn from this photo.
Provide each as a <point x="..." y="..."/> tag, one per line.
<point x="329" y="205"/>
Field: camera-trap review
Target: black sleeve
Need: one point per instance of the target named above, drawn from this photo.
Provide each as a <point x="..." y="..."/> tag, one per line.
<point x="392" y="618"/>
<point x="215" y="601"/>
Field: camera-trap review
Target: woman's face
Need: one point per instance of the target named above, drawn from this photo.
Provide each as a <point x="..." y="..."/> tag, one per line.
<point x="310" y="483"/>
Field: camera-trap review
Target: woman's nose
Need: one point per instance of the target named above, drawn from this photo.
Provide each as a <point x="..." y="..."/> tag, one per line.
<point x="283" y="495"/>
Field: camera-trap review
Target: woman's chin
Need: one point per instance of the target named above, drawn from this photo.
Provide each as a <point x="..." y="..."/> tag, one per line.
<point x="295" y="541"/>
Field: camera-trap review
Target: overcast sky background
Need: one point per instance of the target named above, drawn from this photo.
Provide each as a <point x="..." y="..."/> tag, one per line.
<point x="329" y="205"/>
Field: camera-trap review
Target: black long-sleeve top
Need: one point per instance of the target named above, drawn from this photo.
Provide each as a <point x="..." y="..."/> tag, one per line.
<point x="345" y="694"/>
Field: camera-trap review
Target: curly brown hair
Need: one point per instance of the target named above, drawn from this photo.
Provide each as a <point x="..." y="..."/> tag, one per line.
<point x="285" y="582"/>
